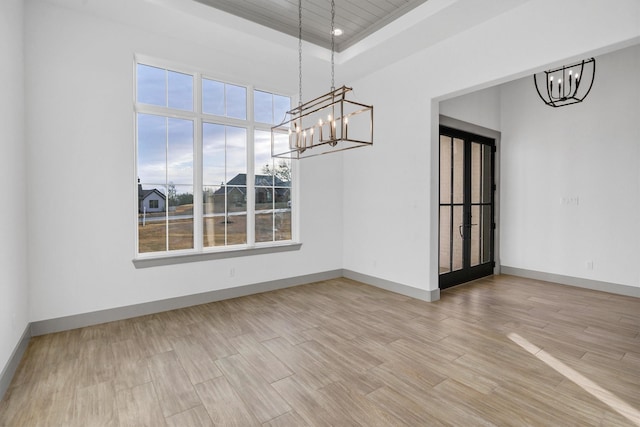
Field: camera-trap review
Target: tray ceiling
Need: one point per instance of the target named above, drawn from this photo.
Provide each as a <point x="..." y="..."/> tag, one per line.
<point x="357" y="18"/>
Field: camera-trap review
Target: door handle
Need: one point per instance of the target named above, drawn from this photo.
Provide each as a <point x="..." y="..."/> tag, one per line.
<point x="464" y="225"/>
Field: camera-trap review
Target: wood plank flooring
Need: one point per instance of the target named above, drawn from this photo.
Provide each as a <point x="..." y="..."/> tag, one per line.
<point x="341" y="353"/>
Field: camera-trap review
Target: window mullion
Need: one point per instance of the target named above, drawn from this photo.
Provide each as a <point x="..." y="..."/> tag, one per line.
<point x="197" y="166"/>
<point x="251" y="191"/>
<point x="226" y="187"/>
<point x="166" y="182"/>
<point x="251" y="180"/>
<point x="294" y="197"/>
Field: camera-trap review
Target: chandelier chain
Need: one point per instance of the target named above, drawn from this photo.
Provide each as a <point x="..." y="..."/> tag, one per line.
<point x="300" y="51"/>
<point x="333" y="36"/>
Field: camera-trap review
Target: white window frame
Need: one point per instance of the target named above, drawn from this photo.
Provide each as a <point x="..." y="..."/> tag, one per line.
<point x="199" y="252"/>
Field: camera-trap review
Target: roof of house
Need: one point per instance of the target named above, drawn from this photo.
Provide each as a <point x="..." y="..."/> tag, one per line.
<point x="261" y="180"/>
<point x="239" y="183"/>
<point x="143" y="194"/>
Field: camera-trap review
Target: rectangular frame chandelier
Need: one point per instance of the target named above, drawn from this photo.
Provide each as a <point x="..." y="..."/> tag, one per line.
<point x="327" y="124"/>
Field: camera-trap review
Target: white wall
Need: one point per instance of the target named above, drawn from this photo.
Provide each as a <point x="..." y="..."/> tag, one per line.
<point x="13" y="225"/>
<point x="589" y="152"/>
<point x="481" y="108"/>
<point x="397" y="240"/>
<point x="379" y="202"/>
<point x="79" y="78"/>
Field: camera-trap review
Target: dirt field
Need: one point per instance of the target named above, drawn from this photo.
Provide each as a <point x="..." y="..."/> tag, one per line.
<point x="152" y="236"/>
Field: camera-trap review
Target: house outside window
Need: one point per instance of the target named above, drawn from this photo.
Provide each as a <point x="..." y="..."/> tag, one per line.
<point x="206" y="179"/>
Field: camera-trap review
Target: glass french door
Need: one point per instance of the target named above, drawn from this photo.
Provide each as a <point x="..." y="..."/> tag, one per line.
<point x="467" y="167"/>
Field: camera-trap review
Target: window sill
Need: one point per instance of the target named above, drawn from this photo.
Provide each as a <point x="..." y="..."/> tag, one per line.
<point x="171" y="259"/>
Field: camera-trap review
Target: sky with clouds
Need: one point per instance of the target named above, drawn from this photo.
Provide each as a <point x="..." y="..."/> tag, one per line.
<point x="166" y="144"/>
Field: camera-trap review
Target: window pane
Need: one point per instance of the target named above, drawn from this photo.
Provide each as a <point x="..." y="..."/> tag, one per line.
<point x="282" y="214"/>
<point x="281" y="143"/>
<point x="152" y="153"/>
<point x="486" y="223"/>
<point x="152" y="148"/>
<point x="236" y="219"/>
<point x="213" y="223"/>
<point x="475" y="230"/>
<point x="458" y="171"/>
<point x="457" y="233"/>
<point x="180" y="91"/>
<point x="152" y="224"/>
<point x="180" y="151"/>
<point x="264" y="214"/>
<point x="263" y="106"/>
<point x="225" y="204"/>
<point x="165" y="149"/>
<point x="151" y="85"/>
<point x="262" y="153"/>
<point x="212" y="97"/>
<point x="180" y="214"/>
<point x="236" y="101"/>
<point x="445" y="239"/>
<point x="282" y="173"/>
<point x="476" y="172"/>
<point x="213" y="154"/>
<point x="273" y="192"/>
<point x="265" y="165"/>
<point x="236" y="199"/>
<point x="265" y="179"/>
<point x="445" y="169"/>
<point x="225" y="216"/>
<point x="487" y="187"/>
<point x="236" y="158"/>
<point x="281" y="104"/>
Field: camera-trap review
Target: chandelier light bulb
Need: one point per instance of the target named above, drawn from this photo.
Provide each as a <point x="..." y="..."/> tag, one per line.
<point x="346" y="127"/>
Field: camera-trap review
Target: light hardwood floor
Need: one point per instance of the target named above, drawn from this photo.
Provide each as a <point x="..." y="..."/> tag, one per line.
<point x="342" y="353"/>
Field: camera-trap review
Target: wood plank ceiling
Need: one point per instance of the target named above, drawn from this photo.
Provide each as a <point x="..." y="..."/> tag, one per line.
<point x="357" y="18"/>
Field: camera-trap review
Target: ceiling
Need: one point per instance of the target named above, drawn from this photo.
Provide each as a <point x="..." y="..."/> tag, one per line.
<point x="357" y="18"/>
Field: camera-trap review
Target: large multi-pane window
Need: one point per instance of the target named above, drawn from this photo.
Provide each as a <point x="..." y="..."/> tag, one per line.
<point x="206" y="178"/>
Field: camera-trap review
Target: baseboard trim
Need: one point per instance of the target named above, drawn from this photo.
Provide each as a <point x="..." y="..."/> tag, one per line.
<point x="595" y="285"/>
<point x="410" y="291"/>
<point x="12" y="365"/>
<point x="88" y="319"/>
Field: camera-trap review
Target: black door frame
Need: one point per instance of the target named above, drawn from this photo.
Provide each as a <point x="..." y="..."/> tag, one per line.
<point x="468" y="273"/>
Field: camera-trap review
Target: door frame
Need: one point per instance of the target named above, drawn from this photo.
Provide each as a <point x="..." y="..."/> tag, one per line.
<point x="481" y="131"/>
